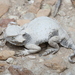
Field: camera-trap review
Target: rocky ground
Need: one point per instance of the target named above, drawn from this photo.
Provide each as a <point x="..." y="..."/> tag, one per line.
<point x="23" y="11"/>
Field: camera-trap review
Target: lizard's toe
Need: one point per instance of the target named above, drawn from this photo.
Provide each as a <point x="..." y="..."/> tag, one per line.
<point x="48" y="51"/>
<point x="25" y="52"/>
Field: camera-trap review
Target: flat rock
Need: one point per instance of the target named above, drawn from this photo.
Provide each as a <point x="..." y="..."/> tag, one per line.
<point x="19" y="71"/>
<point x="4" y="6"/>
<point x="5" y="54"/>
<point x="51" y="2"/>
<point x="56" y="63"/>
<point x="34" y="8"/>
<point x="22" y="21"/>
<point x="31" y="1"/>
<point x="43" y="12"/>
<point x="45" y="6"/>
<point x="29" y="16"/>
<point x="4" y="22"/>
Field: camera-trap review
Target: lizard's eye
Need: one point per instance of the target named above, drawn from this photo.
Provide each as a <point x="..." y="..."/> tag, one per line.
<point x="13" y="38"/>
<point x="23" y="34"/>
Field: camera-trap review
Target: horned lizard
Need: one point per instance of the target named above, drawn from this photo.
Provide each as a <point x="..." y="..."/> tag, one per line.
<point x="40" y="30"/>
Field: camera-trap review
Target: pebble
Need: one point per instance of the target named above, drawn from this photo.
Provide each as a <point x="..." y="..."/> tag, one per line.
<point x="29" y="16"/>
<point x="10" y="60"/>
<point x="41" y="60"/>
<point x="31" y="56"/>
<point x="13" y="17"/>
<point x="31" y="1"/>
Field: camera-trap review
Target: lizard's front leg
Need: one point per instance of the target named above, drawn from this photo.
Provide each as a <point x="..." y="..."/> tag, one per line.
<point x="31" y="48"/>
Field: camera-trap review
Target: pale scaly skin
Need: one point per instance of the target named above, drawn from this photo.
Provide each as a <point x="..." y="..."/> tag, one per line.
<point x="39" y="30"/>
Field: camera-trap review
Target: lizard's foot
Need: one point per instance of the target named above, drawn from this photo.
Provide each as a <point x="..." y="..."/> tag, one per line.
<point x="48" y="51"/>
<point x="25" y="52"/>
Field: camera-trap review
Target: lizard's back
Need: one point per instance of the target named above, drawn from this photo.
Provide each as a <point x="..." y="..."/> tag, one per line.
<point x="41" y="28"/>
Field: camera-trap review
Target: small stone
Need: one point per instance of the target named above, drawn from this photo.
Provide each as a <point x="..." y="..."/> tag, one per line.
<point x="22" y="21"/>
<point x="13" y="17"/>
<point x="50" y="2"/>
<point x="45" y="6"/>
<point x="4" y="22"/>
<point x="70" y="8"/>
<point x="10" y="60"/>
<point x="57" y="64"/>
<point x="34" y="8"/>
<point x="41" y="60"/>
<point x="5" y="54"/>
<point x="31" y="56"/>
<point x="29" y="16"/>
<point x="43" y="12"/>
<point x="4" y="6"/>
<point x="31" y="1"/>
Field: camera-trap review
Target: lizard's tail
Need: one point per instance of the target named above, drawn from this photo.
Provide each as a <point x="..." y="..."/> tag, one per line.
<point x="73" y="54"/>
<point x="71" y="57"/>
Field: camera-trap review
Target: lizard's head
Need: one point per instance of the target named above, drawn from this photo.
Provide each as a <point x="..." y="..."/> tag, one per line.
<point x="13" y="34"/>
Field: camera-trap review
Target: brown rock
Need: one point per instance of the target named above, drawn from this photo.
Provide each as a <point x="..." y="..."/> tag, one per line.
<point x="35" y="6"/>
<point x="5" y="54"/>
<point x="33" y="9"/>
<point x="13" y="71"/>
<point x="19" y="71"/>
<point x="43" y="12"/>
<point x="4" y="22"/>
<point x="51" y="2"/>
<point x="73" y="2"/>
<point x="22" y="21"/>
<point x="25" y="72"/>
<point x="4" y="6"/>
<point x="56" y="63"/>
<point x="2" y="67"/>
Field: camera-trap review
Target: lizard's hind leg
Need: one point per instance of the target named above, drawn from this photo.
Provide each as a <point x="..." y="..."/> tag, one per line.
<point x="54" y="43"/>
